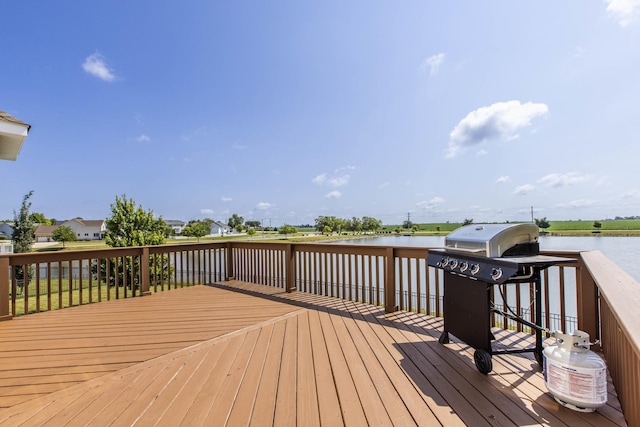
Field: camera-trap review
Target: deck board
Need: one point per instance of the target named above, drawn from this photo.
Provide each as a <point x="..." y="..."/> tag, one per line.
<point x="243" y="354"/>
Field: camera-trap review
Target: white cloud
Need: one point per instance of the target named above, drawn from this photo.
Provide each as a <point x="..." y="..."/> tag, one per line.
<point x="562" y="180"/>
<point x="430" y="204"/>
<point x="339" y="178"/>
<point x="207" y="211"/>
<point x="320" y="179"/>
<point x="383" y="185"/>
<point x="237" y="146"/>
<point x="524" y="189"/>
<point x="95" y="65"/>
<point x="333" y="195"/>
<point x="264" y="206"/>
<point x="433" y="63"/>
<point x="503" y="179"/>
<point x="339" y="181"/>
<point x="225" y="199"/>
<point x="143" y="138"/>
<point x="499" y="121"/>
<point x="624" y="11"/>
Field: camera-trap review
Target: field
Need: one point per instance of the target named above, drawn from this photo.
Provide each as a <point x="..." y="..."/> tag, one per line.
<point x="611" y="227"/>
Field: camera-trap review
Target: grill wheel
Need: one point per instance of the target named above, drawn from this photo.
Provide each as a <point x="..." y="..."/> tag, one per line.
<point x="483" y="362"/>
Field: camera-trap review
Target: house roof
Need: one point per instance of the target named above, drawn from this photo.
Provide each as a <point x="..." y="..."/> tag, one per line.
<point x="9" y="118"/>
<point x="12" y="135"/>
<point x="45" y="230"/>
<point x="85" y="222"/>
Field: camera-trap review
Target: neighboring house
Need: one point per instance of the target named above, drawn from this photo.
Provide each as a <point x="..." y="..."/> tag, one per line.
<point x="6" y="247"/>
<point x="44" y="233"/>
<point x="220" y="229"/>
<point x="6" y="229"/>
<point x="175" y="224"/>
<point x="86" y="229"/>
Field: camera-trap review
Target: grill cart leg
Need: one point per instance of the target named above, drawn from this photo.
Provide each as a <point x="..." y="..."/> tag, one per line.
<point x="444" y="338"/>
<point x="482" y="359"/>
<point x="538" y="330"/>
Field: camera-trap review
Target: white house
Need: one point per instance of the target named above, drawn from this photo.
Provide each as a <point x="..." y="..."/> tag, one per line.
<point x="175" y="224"/>
<point x="220" y="229"/>
<point x="86" y="229"/>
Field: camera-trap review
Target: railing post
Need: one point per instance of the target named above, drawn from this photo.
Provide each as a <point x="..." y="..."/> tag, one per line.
<point x="228" y="271"/>
<point x="5" y="285"/>
<point x="290" y="268"/>
<point x="390" y="281"/>
<point x="587" y="295"/>
<point x="144" y="272"/>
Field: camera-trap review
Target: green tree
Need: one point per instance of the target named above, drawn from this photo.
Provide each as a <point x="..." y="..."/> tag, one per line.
<point x="287" y="229"/>
<point x="370" y="224"/>
<point x="235" y="221"/>
<point x="63" y="234"/>
<point x="355" y="225"/>
<point x="468" y="221"/>
<point x="542" y="223"/>
<point x="251" y="231"/>
<point x="254" y="224"/>
<point x="597" y="225"/>
<point x="196" y="229"/>
<point x="131" y="226"/>
<point x="39" y="218"/>
<point x="24" y="228"/>
<point x="24" y="235"/>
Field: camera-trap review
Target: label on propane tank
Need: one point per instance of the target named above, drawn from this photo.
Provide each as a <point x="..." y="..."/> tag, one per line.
<point x="586" y="385"/>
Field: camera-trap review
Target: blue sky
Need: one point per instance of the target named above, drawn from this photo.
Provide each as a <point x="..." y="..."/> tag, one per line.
<point x="283" y="111"/>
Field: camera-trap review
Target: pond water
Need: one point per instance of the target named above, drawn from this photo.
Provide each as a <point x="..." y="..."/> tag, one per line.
<point x="623" y="251"/>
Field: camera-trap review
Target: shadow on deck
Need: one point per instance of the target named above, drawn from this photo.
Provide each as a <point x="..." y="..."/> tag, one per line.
<point x="243" y="354"/>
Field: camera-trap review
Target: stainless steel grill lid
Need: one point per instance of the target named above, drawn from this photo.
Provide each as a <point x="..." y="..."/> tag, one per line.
<point x="494" y="240"/>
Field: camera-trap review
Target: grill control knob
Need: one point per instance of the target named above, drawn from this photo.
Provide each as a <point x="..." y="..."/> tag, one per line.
<point x="444" y="262"/>
<point x="464" y="266"/>
<point x="453" y="264"/>
<point x="475" y="268"/>
<point x="496" y="273"/>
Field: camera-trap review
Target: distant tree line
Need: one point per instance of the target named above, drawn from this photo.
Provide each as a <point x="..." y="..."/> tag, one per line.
<point x="332" y="224"/>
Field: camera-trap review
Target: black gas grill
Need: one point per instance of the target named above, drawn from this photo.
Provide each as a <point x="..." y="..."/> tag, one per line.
<point x="475" y="258"/>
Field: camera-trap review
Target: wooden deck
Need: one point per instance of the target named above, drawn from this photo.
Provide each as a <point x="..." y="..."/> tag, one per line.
<point x="240" y="354"/>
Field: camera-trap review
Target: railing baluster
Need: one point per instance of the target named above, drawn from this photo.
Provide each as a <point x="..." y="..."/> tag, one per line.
<point x="563" y="317"/>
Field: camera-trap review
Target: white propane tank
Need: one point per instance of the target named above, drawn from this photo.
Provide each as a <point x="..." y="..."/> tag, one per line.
<point x="574" y="375"/>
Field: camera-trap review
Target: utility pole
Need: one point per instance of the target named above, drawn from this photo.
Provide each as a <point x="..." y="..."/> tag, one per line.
<point x="532" y="220"/>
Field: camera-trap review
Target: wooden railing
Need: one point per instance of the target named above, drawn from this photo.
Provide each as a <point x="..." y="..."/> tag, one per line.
<point x="592" y="295"/>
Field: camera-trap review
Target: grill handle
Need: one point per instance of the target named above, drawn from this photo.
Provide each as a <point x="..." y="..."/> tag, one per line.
<point x="465" y="250"/>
